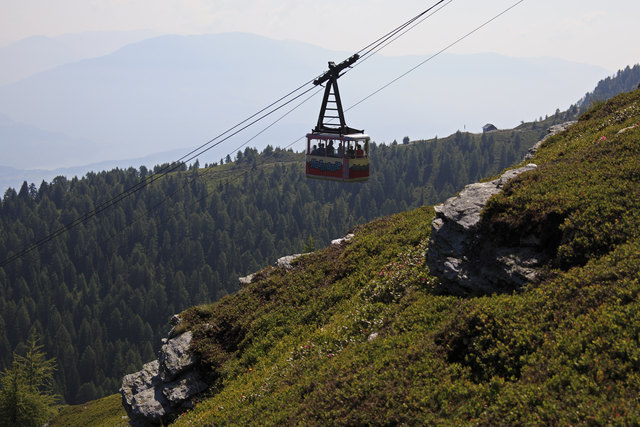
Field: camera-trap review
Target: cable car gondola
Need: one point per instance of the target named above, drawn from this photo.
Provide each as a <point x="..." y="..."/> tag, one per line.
<point x="336" y="152"/>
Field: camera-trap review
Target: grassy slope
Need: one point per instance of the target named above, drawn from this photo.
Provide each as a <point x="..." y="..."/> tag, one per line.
<point x="355" y="334"/>
<point x="107" y="411"/>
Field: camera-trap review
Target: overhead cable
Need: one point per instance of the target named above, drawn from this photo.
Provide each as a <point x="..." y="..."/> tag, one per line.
<point x="250" y="121"/>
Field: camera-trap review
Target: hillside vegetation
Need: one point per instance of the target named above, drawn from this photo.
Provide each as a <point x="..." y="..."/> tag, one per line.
<point x="360" y="333"/>
<point x="101" y="295"/>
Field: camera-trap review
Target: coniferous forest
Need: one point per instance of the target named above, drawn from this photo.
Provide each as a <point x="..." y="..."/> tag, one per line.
<point x="101" y="294"/>
<point x="624" y="81"/>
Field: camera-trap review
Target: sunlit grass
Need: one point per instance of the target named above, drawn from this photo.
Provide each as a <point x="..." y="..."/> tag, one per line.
<point x="107" y="411"/>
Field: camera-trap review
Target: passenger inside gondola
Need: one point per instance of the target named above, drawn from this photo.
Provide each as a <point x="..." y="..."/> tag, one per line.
<point x="350" y="151"/>
<point x="330" y="149"/>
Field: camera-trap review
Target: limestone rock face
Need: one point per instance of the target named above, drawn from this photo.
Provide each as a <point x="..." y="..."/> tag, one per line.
<point x="164" y="387"/>
<point x="466" y="261"/>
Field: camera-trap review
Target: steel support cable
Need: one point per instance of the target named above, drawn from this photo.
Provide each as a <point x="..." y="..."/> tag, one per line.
<point x="391" y="33"/>
<point x="176" y="164"/>
<point x="195" y="153"/>
<point x="396" y="37"/>
<point x="390" y="40"/>
<point x="379" y="44"/>
<point x="143" y="183"/>
<point x="278" y="119"/>
<point x="401" y="76"/>
<point x="207" y="171"/>
<point x="199" y="150"/>
<point x="377" y="49"/>
<point x="252" y="123"/>
<point x="251" y="117"/>
<point x="162" y="172"/>
<point x="484" y="24"/>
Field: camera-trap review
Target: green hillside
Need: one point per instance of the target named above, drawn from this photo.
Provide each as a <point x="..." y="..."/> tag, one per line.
<point x="105" y="412"/>
<point x="360" y="333"/>
<point x="101" y="295"/>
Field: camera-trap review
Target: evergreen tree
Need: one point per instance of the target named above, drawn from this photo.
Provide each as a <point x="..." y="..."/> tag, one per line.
<point x="310" y="245"/>
<point x="26" y="396"/>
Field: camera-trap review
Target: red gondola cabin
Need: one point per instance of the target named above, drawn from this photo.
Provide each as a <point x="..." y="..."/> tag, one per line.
<point x="337" y="157"/>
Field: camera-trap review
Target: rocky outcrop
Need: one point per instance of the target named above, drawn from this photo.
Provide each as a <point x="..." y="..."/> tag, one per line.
<point x="286" y="262"/>
<point x="345" y="239"/>
<point x="465" y="261"/>
<point x="167" y="386"/>
<point x="553" y="130"/>
<point x="164" y="387"/>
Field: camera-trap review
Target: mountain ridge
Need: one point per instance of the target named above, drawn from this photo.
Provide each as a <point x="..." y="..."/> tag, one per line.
<point x="173" y="91"/>
<point x="35" y="54"/>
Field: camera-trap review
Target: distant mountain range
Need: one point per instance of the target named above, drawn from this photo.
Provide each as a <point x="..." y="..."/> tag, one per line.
<point x="173" y="92"/>
<point x="38" y="53"/>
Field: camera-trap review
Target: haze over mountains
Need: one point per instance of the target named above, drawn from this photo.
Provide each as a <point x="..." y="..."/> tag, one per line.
<point x="35" y="54"/>
<point x="172" y="93"/>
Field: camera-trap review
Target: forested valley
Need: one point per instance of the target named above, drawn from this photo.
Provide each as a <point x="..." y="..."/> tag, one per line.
<point x="100" y="296"/>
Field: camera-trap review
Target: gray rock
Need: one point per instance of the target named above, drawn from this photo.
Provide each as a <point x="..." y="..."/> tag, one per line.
<point x="133" y="384"/>
<point x="175" y="356"/>
<point x="467" y="262"/>
<point x="344" y="239"/>
<point x="246" y="279"/>
<point x="180" y="391"/>
<point x="164" y="387"/>
<point x="623" y="130"/>
<point x="285" y="261"/>
<point x="149" y="406"/>
<point x="553" y="130"/>
<point x="140" y="398"/>
<point x="462" y="258"/>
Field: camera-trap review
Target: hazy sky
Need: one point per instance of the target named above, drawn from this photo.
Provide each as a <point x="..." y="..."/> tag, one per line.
<point x="604" y="33"/>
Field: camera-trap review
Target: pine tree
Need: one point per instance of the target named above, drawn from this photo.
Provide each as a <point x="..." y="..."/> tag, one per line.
<point x="26" y="396"/>
<point x="310" y="245"/>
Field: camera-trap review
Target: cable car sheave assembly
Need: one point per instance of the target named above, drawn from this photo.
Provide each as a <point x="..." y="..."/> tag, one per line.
<point x="336" y="152"/>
